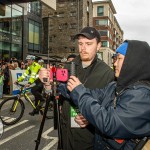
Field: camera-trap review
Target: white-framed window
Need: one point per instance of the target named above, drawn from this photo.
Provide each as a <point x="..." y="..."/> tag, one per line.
<point x="102" y="22"/>
<point x="100" y="10"/>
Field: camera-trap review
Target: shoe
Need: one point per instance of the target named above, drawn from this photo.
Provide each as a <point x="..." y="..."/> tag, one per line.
<point x="35" y="111"/>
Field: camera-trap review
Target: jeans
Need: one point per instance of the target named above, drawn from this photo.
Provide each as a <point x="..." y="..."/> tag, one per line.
<point x="1" y="91"/>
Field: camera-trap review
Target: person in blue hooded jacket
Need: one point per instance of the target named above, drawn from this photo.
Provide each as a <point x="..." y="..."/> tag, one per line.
<point x="120" y="111"/>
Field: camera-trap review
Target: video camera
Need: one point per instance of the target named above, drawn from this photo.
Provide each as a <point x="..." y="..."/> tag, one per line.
<point x="62" y="74"/>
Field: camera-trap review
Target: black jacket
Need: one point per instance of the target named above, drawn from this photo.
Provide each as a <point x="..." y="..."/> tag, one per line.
<point x="97" y="75"/>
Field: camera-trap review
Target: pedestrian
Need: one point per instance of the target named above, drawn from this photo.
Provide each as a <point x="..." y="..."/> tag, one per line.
<point x="41" y="62"/>
<point x="121" y="110"/>
<point x="16" y="65"/>
<point x="1" y="83"/>
<point x="5" y="69"/>
<point x="94" y="73"/>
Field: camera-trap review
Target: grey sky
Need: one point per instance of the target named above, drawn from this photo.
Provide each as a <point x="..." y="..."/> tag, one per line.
<point x="134" y="18"/>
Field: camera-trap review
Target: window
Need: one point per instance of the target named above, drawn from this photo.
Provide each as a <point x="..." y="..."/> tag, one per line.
<point x="103" y="33"/>
<point x="104" y="44"/>
<point x="73" y="14"/>
<point x="34" y="7"/>
<point x="34" y="35"/>
<point x="73" y="25"/>
<point x="102" y="22"/>
<point x="100" y="10"/>
<point x="61" y="15"/>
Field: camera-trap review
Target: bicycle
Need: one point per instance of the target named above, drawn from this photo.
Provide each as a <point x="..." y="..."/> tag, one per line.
<point x="1" y="128"/>
<point x="12" y="108"/>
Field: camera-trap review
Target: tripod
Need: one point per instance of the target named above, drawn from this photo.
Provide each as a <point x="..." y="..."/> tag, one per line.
<point x="57" y="125"/>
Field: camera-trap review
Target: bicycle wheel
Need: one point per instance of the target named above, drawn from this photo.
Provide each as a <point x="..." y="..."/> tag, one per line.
<point x="49" y="114"/>
<point x="11" y="110"/>
<point x="1" y="128"/>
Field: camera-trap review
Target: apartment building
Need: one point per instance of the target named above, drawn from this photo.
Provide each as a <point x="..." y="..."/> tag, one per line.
<point x="105" y="21"/>
<point x="60" y="26"/>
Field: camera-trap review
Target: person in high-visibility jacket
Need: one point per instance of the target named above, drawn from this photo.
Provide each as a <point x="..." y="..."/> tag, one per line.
<point x="33" y="70"/>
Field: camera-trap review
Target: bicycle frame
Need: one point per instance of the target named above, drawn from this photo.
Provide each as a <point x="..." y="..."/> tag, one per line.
<point x="28" y="99"/>
<point x="25" y="95"/>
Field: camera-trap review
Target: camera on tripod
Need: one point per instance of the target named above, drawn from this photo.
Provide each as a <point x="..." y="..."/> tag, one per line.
<point x="61" y="74"/>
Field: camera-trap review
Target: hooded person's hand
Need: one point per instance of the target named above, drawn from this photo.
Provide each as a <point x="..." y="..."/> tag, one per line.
<point x="81" y="121"/>
<point x="72" y="83"/>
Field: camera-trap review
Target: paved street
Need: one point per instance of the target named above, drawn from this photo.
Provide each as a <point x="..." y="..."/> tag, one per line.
<point x="22" y="135"/>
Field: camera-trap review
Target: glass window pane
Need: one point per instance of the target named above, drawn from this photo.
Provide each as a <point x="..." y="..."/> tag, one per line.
<point x="102" y="22"/>
<point x="17" y="7"/>
<point x="36" y="35"/>
<point x="30" y="45"/>
<point x="103" y="33"/>
<point x="100" y="11"/>
<point x="36" y="46"/>
<point x="31" y="33"/>
<point x="104" y="43"/>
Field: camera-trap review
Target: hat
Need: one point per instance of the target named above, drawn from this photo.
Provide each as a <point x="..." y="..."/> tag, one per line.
<point x="41" y="61"/>
<point x="90" y="33"/>
<point x="30" y="57"/>
<point x="122" y="49"/>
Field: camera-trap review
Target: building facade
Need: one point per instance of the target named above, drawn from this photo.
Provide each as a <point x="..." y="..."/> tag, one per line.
<point x="60" y="26"/>
<point x="105" y="21"/>
<point x="21" y="27"/>
<point x="11" y="30"/>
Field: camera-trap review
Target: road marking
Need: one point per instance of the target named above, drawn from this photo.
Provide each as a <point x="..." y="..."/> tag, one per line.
<point x="54" y="139"/>
<point x="51" y="144"/>
<point x="6" y="118"/>
<point x="45" y="136"/>
<point x="13" y="126"/>
<point x="15" y="135"/>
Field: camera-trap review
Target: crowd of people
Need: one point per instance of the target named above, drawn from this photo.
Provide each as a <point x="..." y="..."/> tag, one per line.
<point x="5" y="66"/>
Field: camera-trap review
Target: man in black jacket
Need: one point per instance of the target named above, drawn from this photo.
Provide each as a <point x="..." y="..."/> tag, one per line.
<point x="93" y="73"/>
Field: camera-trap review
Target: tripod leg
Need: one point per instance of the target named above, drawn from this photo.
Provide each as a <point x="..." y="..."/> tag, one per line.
<point x="60" y="146"/>
<point x="42" y="123"/>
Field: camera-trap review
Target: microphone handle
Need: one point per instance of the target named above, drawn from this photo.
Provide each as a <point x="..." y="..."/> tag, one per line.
<point x="72" y="69"/>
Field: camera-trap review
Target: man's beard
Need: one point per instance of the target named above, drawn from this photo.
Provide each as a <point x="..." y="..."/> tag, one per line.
<point x="84" y="58"/>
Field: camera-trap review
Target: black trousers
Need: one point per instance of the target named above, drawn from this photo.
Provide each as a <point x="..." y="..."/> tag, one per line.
<point x="37" y="91"/>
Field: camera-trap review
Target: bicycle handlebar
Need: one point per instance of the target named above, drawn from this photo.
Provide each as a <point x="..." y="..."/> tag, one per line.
<point x="22" y="85"/>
